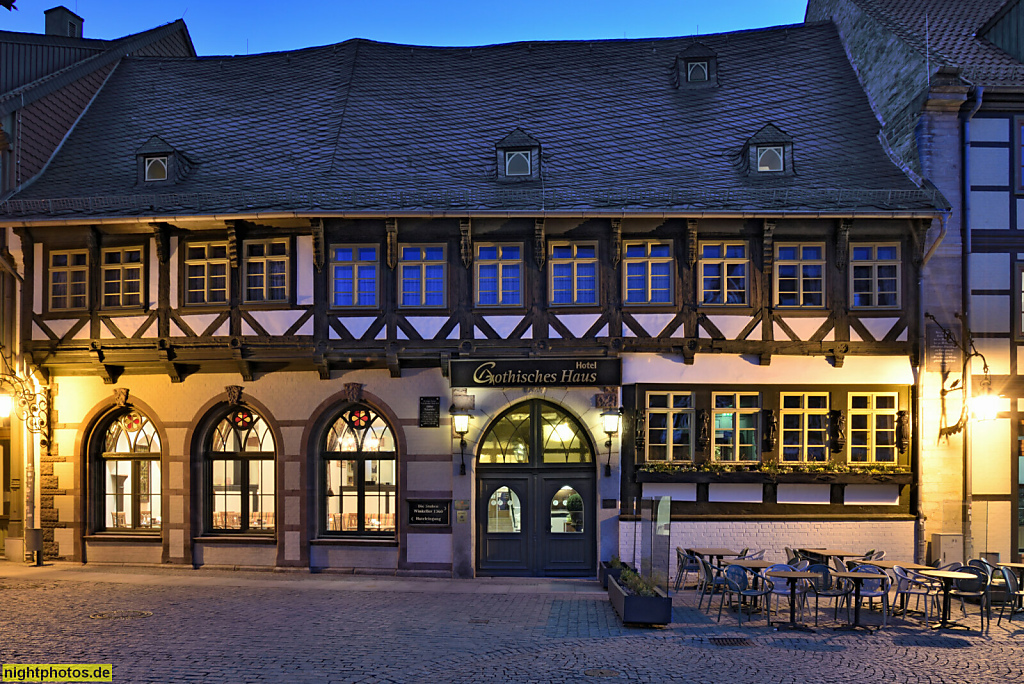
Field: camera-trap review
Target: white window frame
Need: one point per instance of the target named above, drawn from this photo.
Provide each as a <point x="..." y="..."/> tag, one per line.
<point x="802" y="432"/>
<point x="422" y="262"/>
<point x="205" y="262"/>
<point x="648" y="262"/>
<point x="763" y="150"/>
<point x="511" y="155"/>
<point x="124" y="280"/>
<point x="357" y="264"/>
<point x="874" y="263"/>
<point x="70" y="270"/>
<point x="690" y="68"/>
<point x="670" y="411"/>
<point x="266" y="259"/>
<point x="736" y="411"/>
<point x="801" y="278"/>
<point x="574" y="261"/>
<point x="872" y="431"/>
<point x="153" y="164"/>
<point x="724" y="262"/>
<point x="506" y="297"/>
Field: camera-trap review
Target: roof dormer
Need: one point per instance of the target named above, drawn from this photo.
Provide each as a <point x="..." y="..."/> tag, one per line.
<point x="697" y="67"/>
<point x="157" y="163"/>
<point x="518" y="157"/>
<point x="769" y="153"/>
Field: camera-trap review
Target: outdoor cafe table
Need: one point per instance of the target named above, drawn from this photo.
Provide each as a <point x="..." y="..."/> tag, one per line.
<point x="890" y="564"/>
<point x="827" y="553"/>
<point x="947" y="577"/>
<point x="717" y="554"/>
<point x="792" y="577"/>
<point x="751" y="564"/>
<point x="857" y="578"/>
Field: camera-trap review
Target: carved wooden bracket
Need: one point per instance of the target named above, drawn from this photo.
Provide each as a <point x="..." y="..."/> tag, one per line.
<point x="317" y="230"/>
<point x="768" y="247"/>
<point x="691" y="242"/>
<point x="607" y="398"/>
<point x="232" y="227"/>
<point x="354" y="391"/>
<point x="837" y="429"/>
<point x="640" y="431"/>
<point x="391" y="226"/>
<point x="121" y="397"/>
<point x="902" y="431"/>
<point x="703" y="429"/>
<point x="160" y="236"/>
<point x="770" y="436"/>
<point x="234" y="394"/>
<point x="843" y="243"/>
<point x="466" y="243"/>
<point x="616" y="245"/>
<point x="540" y="248"/>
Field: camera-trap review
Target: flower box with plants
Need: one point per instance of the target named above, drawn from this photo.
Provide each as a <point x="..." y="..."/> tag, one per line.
<point x="702" y="472"/>
<point x="638" y="601"/>
<point x="610" y="568"/>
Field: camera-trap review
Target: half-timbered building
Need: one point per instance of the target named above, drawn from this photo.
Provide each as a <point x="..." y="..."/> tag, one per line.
<point x="261" y="287"/>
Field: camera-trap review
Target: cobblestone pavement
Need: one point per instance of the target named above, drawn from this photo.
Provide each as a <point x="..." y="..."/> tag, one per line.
<point x="269" y="627"/>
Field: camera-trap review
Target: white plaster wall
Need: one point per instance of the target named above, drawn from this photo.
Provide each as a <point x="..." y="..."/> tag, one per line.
<point x="989" y="271"/>
<point x="990" y="313"/>
<point x="990" y="130"/>
<point x="990" y="210"/>
<point x="989" y="165"/>
<point x="991" y="451"/>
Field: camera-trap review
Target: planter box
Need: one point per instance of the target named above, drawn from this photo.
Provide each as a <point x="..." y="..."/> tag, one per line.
<point x="696" y="476"/>
<point x="605" y="570"/>
<point x="640" y="610"/>
<point x="809" y="478"/>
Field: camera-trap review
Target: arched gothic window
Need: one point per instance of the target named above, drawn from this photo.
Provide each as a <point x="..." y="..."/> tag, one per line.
<point x="359" y="475"/>
<point x="240" y="473"/>
<point x="130" y="474"/>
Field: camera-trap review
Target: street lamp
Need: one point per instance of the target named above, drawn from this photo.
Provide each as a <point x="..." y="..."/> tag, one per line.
<point x="610" y="420"/>
<point x="460" y="424"/>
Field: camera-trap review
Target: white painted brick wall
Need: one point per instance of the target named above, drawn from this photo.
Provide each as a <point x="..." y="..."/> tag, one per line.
<point x="896" y="538"/>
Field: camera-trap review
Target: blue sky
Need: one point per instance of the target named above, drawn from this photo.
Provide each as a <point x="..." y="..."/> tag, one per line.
<point x="228" y="27"/>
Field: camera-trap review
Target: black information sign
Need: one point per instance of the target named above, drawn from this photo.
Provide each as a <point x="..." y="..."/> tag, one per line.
<point x="577" y="372"/>
<point x="941" y="350"/>
<point x="429" y="511"/>
<point x="430" y="412"/>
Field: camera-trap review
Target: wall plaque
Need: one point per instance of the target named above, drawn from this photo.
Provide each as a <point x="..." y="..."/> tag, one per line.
<point x="941" y="350"/>
<point x="429" y="511"/>
<point x="430" y="412"/>
<point x="575" y="372"/>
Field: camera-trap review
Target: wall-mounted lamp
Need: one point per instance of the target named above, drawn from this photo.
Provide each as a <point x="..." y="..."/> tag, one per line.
<point x="18" y="396"/>
<point x="460" y="424"/>
<point x="610" y="420"/>
<point x="984" y="406"/>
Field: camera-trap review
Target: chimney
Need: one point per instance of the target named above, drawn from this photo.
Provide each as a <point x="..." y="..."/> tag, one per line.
<point x="60" y="21"/>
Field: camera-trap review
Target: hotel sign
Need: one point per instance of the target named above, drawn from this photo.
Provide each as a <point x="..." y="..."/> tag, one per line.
<point x="577" y="372"/>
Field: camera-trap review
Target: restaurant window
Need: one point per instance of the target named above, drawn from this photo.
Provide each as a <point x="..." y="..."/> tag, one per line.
<point x="736" y="426"/>
<point x="360" y="475"/>
<point x="669" y="425"/>
<point x="422" y="274"/>
<point x="130" y="474"/>
<point x="573" y="270"/>
<point x="647" y="272"/>
<point x="266" y="271"/>
<point x="354" y="281"/>
<point x="873" y="427"/>
<point x="804" y="427"/>
<point x="800" y="275"/>
<point x="206" y="273"/>
<point x="122" y="277"/>
<point x="69" y="280"/>
<point x="499" y="275"/>
<point x="723" y="273"/>
<point x="240" y="473"/>
<point x="875" y="276"/>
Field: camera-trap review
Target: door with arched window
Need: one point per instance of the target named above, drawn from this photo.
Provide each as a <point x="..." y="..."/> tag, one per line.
<point x="536" y="511"/>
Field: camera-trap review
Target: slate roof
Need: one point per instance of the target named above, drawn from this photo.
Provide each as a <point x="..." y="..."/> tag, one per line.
<point x="366" y="126"/>
<point x="951" y="36"/>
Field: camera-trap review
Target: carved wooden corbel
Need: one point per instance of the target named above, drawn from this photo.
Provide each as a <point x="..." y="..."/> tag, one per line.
<point x="391" y="226"/>
<point x="768" y="248"/>
<point x="843" y="243"/>
<point x="616" y="244"/>
<point x="232" y="227"/>
<point x="902" y="431"/>
<point x="837" y="429"/>
<point x="160" y="236"/>
<point x="317" y="231"/>
<point x="691" y="242"/>
<point x="466" y="242"/>
<point x="770" y="436"/>
<point x="540" y="248"/>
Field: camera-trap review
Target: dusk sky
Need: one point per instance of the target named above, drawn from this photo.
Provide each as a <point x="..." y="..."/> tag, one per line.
<point x="229" y="27"/>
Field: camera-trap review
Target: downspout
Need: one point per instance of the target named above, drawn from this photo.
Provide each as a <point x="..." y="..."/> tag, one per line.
<point x="968" y="460"/>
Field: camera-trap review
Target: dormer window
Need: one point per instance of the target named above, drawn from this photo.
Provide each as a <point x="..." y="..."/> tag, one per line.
<point x="156" y="169"/>
<point x="517" y="163"/>
<point x="518" y="157"/>
<point x="696" y="72"/>
<point x="697" y="67"/>
<point x="770" y="158"/>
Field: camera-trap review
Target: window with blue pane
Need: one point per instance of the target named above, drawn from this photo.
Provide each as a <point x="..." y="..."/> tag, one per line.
<point x="736" y="425"/>
<point x="875" y="276"/>
<point x="354" y="271"/>
<point x="573" y="270"/>
<point x="422" y="276"/>
<point x="724" y="269"/>
<point x="647" y="272"/>
<point x="800" y="275"/>
<point x="499" y="271"/>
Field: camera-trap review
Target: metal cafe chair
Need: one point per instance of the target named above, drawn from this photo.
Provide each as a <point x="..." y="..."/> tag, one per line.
<point x="976" y="587"/>
<point x="1013" y="593"/>
<point x="685" y="564"/>
<point x="737" y="584"/>
<point x="825" y="586"/>
<point x="910" y="584"/>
